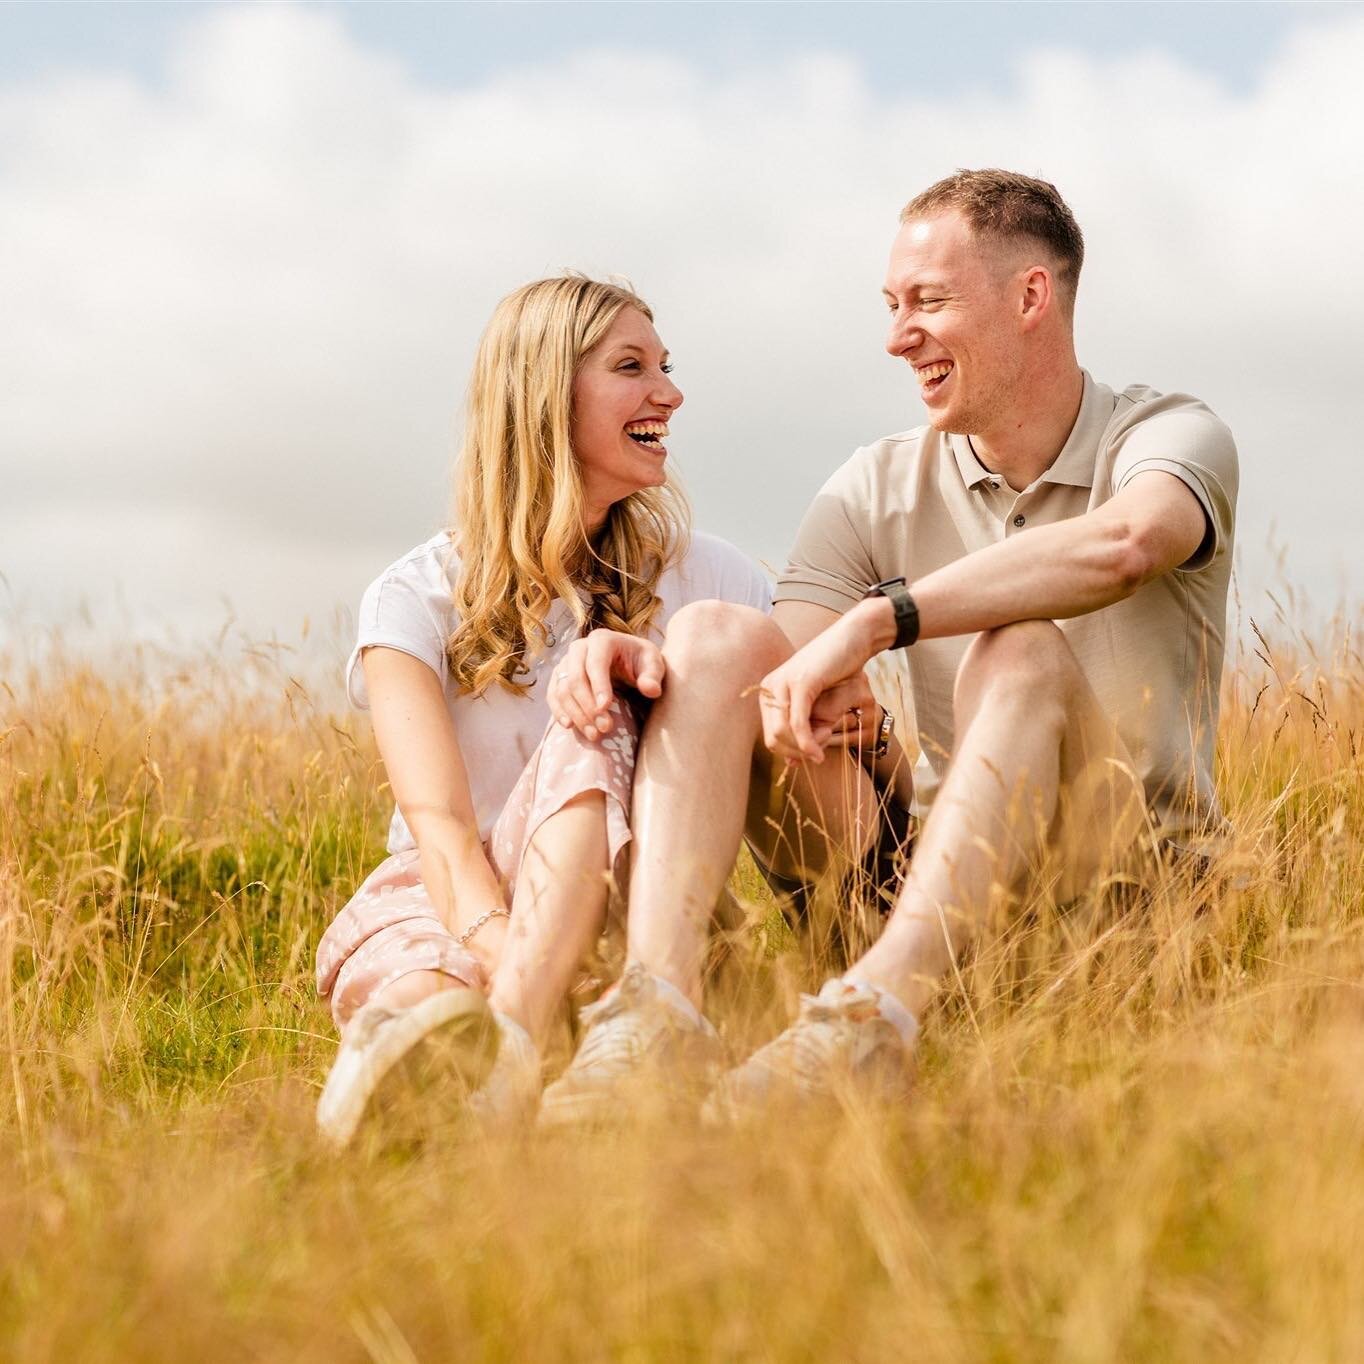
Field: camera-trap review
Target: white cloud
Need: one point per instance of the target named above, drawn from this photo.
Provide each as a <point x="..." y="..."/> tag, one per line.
<point x="239" y="305"/>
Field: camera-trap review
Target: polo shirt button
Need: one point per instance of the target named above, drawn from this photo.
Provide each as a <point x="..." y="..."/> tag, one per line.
<point x="1020" y="519"/>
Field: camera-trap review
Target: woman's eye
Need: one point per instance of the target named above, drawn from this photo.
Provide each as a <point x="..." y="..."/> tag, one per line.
<point x="667" y="368"/>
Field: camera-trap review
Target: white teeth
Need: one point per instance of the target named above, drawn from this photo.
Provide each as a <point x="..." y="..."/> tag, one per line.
<point x="646" y="429"/>
<point x="930" y="372"/>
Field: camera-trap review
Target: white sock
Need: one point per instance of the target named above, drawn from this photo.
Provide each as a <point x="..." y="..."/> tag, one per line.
<point x="891" y="1009"/>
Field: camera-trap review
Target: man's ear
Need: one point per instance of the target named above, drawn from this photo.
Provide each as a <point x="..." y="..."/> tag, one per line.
<point x="1037" y="295"/>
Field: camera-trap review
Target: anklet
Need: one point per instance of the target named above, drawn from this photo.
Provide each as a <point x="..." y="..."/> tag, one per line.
<point x="463" y="939"/>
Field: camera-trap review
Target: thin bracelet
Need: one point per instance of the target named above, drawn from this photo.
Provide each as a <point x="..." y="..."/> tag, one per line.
<point x="463" y="939"/>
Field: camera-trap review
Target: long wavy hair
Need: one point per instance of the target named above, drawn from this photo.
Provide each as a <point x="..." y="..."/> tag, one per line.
<point x="518" y="513"/>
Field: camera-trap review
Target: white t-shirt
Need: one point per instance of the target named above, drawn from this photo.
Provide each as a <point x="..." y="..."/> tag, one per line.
<point x="409" y="608"/>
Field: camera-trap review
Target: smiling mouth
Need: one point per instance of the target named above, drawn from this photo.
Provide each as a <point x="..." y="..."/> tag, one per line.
<point x="932" y="377"/>
<point x="649" y="435"/>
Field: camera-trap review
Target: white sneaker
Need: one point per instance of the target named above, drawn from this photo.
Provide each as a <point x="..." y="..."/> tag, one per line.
<point x="443" y="1038"/>
<point x="840" y="1043"/>
<point x="638" y="1044"/>
<point x="511" y="1092"/>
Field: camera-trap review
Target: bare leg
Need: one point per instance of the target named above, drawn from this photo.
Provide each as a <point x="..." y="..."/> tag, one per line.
<point x="1037" y="763"/>
<point x="703" y="774"/>
<point x="413" y="987"/>
<point x="557" y="913"/>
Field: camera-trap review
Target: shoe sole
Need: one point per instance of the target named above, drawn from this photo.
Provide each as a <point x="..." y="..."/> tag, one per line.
<point x="447" y="1045"/>
<point x="427" y="1088"/>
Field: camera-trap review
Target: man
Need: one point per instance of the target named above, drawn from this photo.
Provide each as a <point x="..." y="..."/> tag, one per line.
<point x="1055" y="558"/>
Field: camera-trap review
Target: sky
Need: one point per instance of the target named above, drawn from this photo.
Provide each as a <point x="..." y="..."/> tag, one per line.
<point x="246" y="252"/>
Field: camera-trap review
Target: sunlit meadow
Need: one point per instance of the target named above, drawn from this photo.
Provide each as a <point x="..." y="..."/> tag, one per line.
<point x="1137" y="1130"/>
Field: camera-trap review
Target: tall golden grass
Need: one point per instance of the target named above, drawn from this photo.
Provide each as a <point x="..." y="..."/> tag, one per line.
<point x="1137" y="1133"/>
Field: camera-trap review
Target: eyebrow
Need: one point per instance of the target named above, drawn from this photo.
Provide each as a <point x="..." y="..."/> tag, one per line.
<point x="638" y="350"/>
<point x="924" y="286"/>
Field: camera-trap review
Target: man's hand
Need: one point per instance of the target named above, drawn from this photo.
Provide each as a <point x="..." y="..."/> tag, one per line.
<point x="803" y="701"/>
<point x="582" y="685"/>
<point x="848" y="717"/>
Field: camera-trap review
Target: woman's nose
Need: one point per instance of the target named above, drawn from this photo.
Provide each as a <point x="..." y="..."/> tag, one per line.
<point x="668" y="394"/>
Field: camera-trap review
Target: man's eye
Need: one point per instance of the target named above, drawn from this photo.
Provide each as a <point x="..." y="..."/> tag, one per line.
<point x="667" y="368"/>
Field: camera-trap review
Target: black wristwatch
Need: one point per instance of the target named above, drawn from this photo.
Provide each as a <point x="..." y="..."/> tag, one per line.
<point x="906" y="613"/>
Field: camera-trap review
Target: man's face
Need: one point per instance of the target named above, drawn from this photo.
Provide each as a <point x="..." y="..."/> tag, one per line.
<point x="953" y="320"/>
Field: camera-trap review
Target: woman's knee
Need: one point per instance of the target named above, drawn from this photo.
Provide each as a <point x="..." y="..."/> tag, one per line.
<point x="726" y="635"/>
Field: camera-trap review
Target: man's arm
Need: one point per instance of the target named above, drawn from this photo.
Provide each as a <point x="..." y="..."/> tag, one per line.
<point x="801" y="621"/>
<point x="1050" y="573"/>
<point x="1066" y="569"/>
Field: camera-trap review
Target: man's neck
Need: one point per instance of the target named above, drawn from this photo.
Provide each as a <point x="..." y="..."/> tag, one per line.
<point x="1024" y="444"/>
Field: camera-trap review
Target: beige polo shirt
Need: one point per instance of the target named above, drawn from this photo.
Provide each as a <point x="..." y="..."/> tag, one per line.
<point x="913" y="502"/>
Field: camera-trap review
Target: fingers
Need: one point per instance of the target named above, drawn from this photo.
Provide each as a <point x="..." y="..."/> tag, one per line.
<point x="639" y="663"/>
<point x="785" y="709"/>
<point x="572" y="692"/>
<point x="598" y="671"/>
<point x="850" y="712"/>
<point x="649" y="670"/>
<point x="565" y="704"/>
<point x="858" y="729"/>
<point x="581" y="688"/>
<point x="851" y="694"/>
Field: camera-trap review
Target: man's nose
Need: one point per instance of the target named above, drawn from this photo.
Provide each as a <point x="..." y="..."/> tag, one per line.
<point x="904" y="337"/>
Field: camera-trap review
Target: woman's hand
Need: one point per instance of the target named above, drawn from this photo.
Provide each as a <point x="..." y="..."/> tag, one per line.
<point x="805" y="701"/>
<point x="581" y="687"/>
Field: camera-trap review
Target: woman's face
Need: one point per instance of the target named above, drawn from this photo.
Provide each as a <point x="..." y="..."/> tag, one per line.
<point x="622" y="399"/>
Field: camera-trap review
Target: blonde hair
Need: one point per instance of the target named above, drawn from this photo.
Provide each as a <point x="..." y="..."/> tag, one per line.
<point x="519" y="500"/>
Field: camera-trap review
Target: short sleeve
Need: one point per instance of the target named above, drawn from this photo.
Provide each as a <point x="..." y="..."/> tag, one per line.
<point x="397" y="612"/>
<point x="831" y="562"/>
<point x="716" y="570"/>
<point x="1185" y="439"/>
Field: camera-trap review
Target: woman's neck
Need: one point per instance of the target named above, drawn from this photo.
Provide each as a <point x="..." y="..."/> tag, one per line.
<point x="594" y="518"/>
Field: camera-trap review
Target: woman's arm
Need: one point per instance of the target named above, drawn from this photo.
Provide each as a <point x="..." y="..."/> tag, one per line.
<point x="429" y="781"/>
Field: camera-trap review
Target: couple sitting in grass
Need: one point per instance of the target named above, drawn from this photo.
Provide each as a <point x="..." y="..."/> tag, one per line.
<point x="573" y="692"/>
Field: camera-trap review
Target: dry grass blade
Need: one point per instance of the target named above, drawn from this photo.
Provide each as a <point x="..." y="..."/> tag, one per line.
<point x="1136" y="1132"/>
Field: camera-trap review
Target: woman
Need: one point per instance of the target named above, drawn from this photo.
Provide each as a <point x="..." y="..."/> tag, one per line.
<point x="509" y="827"/>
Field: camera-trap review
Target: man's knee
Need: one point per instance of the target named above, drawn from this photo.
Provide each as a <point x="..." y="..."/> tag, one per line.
<point x="1029" y="660"/>
<point x="732" y="639"/>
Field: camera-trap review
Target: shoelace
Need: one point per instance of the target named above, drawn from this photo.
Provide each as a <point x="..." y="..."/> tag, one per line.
<point x="630" y="989"/>
<point x="601" y="1043"/>
<point x="810" y="1046"/>
<point x="855" y="1007"/>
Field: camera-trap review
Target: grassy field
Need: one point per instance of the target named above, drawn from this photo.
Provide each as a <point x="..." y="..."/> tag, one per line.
<point x="1138" y="1131"/>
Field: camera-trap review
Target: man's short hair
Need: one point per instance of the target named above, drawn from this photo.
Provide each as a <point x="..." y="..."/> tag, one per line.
<point x="1007" y="206"/>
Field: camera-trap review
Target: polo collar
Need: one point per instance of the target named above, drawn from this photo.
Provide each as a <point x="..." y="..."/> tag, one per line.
<point x="1075" y="464"/>
<point x="973" y="471"/>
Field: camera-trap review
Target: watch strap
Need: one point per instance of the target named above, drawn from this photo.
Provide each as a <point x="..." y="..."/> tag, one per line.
<point x="906" y="612"/>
